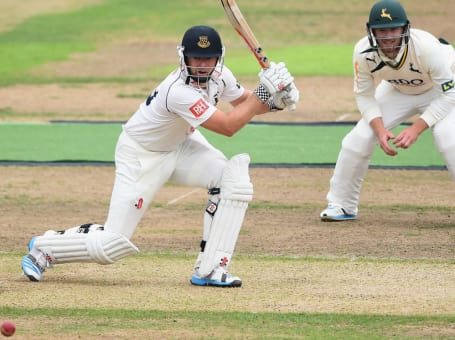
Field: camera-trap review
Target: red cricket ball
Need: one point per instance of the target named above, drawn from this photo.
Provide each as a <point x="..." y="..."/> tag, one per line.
<point x="8" y="328"/>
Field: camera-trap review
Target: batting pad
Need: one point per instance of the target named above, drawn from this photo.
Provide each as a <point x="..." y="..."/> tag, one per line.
<point x="236" y="192"/>
<point x="97" y="246"/>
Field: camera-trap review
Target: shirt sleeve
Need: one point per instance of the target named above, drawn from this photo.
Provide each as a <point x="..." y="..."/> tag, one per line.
<point x="189" y="104"/>
<point x="364" y="86"/>
<point x="440" y="59"/>
<point x="232" y="88"/>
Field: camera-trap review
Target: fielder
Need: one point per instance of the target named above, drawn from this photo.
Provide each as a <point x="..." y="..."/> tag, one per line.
<point x="415" y="75"/>
<point x="160" y="143"/>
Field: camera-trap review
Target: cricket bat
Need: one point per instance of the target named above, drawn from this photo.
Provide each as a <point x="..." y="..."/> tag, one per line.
<point x="239" y="23"/>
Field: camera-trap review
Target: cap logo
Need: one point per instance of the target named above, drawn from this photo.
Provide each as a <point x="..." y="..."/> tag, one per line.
<point x="203" y="41"/>
<point x="384" y="14"/>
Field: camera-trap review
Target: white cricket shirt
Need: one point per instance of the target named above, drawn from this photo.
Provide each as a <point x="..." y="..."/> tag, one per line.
<point x="174" y="109"/>
<point x="426" y="64"/>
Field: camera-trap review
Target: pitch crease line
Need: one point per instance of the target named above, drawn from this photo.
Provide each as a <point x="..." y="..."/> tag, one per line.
<point x="175" y="200"/>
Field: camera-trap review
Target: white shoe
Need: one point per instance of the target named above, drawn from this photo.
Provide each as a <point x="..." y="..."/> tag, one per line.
<point x="34" y="266"/>
<point x="220" y="277"/>
<point x="335" y="212"/>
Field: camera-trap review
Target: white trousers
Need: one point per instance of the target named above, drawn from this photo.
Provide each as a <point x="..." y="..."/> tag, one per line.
<point x="140" y="174"/>
<point x="358" y="145"/>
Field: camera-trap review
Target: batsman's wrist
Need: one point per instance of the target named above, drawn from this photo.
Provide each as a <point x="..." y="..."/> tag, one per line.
<point x="262" y="93"/>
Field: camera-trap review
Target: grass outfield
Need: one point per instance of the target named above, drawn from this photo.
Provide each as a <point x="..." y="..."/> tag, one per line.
<point x="292" y="144"/>
<point x="54" y="37"/>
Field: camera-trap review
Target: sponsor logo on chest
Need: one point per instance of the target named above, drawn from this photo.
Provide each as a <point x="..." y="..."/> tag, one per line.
<point x="407" y="82"/>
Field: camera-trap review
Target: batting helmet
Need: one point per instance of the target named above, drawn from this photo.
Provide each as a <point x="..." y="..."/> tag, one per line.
<point x="200" y="42"/>
<point x="387" y="14"/>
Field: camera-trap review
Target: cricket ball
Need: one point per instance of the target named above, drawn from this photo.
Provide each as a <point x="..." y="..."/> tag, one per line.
<point x="8" y="328"/>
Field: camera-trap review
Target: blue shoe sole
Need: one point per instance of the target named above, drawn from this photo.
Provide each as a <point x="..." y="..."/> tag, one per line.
<point x="338" y="218"/>
<point x="205" y="282"/>
<point x="29" y="268"/>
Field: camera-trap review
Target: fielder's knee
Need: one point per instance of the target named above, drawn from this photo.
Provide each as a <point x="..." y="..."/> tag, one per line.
<point x="359" y="143"/>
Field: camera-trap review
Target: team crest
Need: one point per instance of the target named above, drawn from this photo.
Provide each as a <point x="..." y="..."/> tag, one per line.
<point x="384" y="14"/>
<point x="203" y="41"/>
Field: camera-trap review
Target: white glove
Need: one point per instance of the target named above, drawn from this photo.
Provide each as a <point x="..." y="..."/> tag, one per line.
<point x="286" y="98"/>
<point x="275" y="78"/>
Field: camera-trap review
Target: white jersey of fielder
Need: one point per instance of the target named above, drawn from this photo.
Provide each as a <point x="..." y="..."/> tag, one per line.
<point x="424" y="65"/>
<point x="419" y="81"/>
<point x="174" y="110"/>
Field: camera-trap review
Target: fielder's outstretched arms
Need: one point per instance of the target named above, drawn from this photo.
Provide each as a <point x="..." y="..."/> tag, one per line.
<point x="415" y="75"/>
<point x="160" y="143"/>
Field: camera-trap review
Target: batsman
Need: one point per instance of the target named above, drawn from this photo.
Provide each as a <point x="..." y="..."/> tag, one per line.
<point x="161" y="143"/>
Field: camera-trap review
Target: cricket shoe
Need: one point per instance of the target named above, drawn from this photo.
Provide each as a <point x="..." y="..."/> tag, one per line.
<point x="220" y="277"/>
<point x="335" y="212"/>
<point x="34" y="266"/>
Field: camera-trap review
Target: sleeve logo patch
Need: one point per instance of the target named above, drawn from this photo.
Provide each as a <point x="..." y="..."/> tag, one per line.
<point x="448" y="85"/>
<point x="199" y="108"/>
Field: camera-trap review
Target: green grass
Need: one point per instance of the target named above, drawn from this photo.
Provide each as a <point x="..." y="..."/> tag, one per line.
<point x="237" y="325"/>
<point x="266" y="144"/>
<point x="54" y="37"/>
<point x="320" y="60"/>
<point x="306" y="46"/>
<point x="59" y="141"/>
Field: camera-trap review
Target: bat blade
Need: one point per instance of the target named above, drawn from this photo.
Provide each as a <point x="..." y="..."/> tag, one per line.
<point x="239" y="23"/>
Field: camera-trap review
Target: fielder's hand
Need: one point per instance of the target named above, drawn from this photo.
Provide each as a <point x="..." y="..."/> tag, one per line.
<point x="275" y="78"/>
<point x="286" y="98"/>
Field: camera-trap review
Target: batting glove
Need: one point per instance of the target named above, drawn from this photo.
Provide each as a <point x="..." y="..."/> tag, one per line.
<point x="286" y="98"/>
<point x="275" y="78"/>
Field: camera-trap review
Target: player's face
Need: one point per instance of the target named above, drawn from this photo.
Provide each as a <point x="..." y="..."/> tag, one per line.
<point x="389" y="40"/>
<point x="201" y="67"/>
